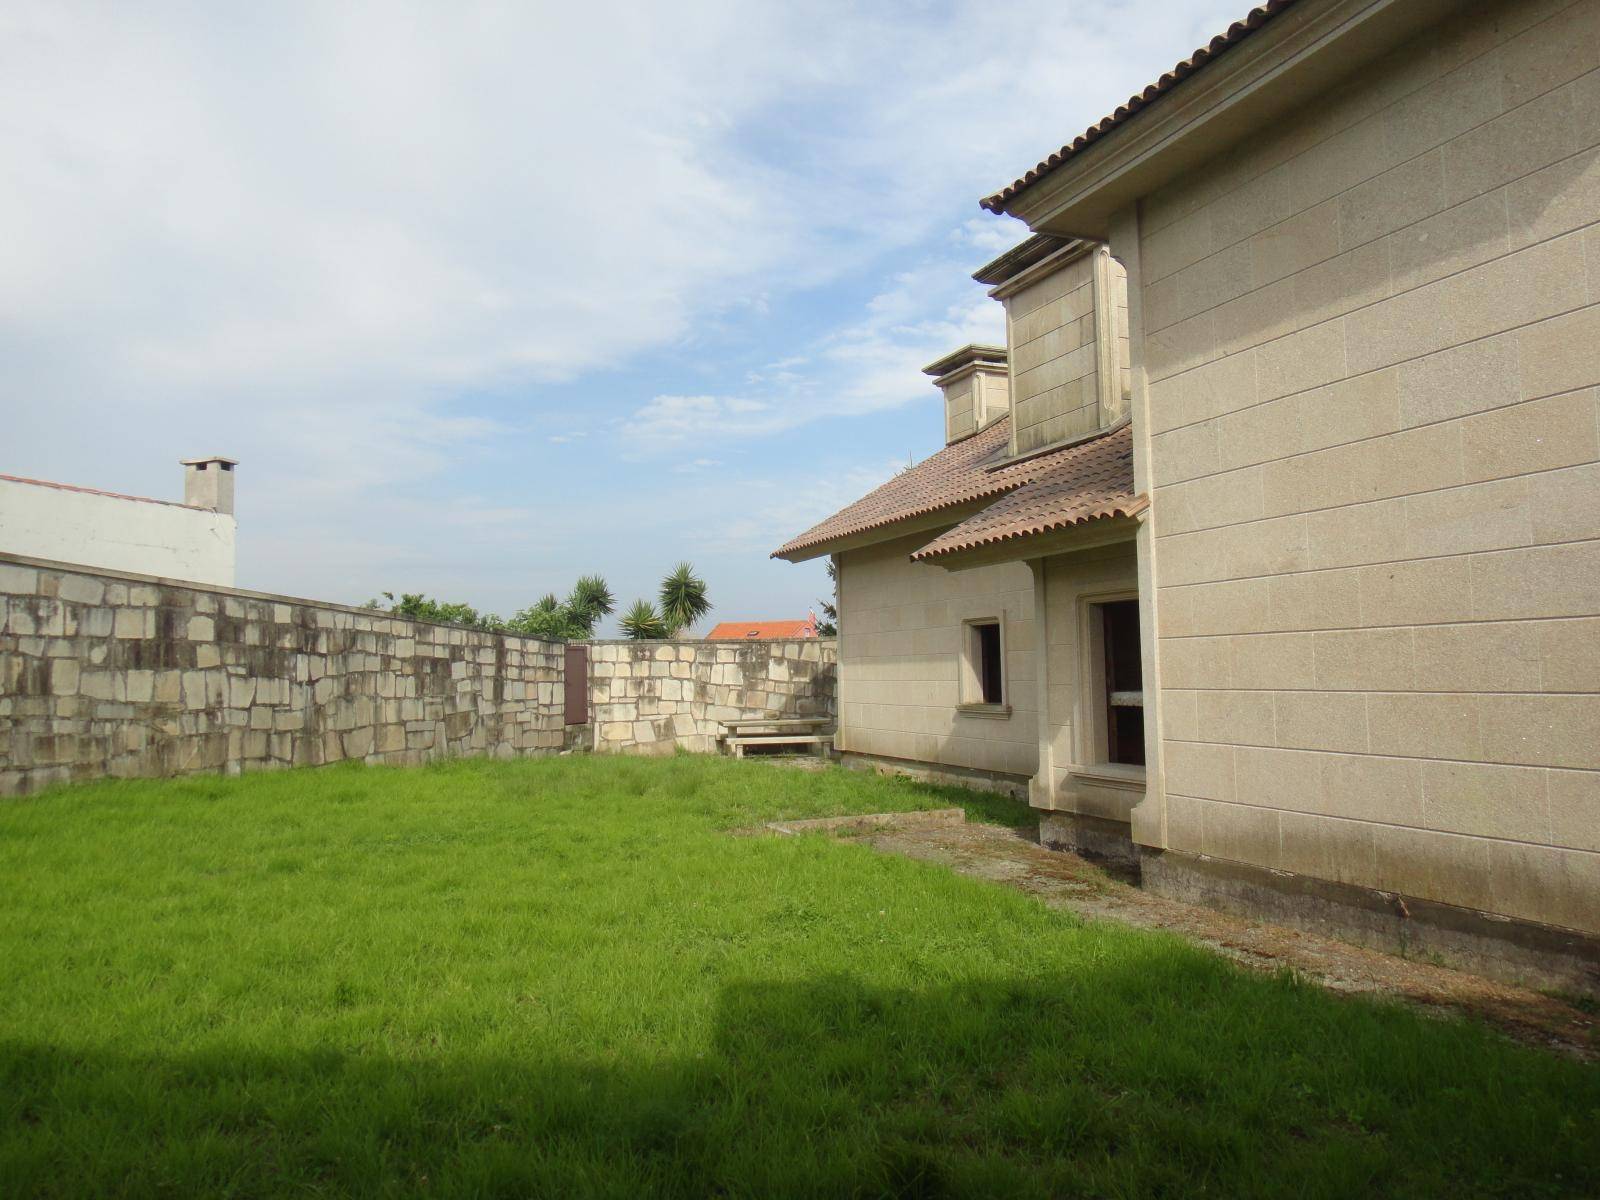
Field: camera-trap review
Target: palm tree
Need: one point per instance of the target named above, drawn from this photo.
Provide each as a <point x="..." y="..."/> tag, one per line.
<point x="643" y="623"/>
<point x="572" y="619"/>
<point x="683" y="599"/>
<point x="591" y="599"/>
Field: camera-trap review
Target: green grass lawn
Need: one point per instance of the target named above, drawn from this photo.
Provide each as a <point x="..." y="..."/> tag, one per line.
<point x="563" y="977"/>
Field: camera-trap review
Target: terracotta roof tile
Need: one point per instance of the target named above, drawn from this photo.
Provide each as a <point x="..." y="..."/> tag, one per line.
<point x="1091" y="480"/>
<point x="763" y="631"/>
<point x="1219" y="45"/>
<point x="953" y="476"/>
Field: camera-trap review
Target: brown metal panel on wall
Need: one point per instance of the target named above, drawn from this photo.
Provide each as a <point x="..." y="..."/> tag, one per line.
<point x="577" y="684"/>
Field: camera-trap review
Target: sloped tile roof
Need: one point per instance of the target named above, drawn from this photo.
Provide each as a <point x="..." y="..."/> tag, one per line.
<point x="953" y="476"/>
<point x="1091" y="480"/>
<point x="1219" y="45"/>
<point x="763" y="631"/>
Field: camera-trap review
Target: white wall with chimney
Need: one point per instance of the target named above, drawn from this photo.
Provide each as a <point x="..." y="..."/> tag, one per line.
<point x="193" y="541"/>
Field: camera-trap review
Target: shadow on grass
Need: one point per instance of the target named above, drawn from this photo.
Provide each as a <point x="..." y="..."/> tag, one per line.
<point x="1169" y="1074"/>
<point x="992" y="809"/>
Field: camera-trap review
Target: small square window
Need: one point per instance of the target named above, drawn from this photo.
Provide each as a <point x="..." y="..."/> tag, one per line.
<point x="987" y="665"/>
<point x="1124" y="682"/>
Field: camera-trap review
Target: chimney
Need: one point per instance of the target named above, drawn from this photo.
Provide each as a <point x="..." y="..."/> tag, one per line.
<point x="208" y="483"/>
<point x="976" y="386"/>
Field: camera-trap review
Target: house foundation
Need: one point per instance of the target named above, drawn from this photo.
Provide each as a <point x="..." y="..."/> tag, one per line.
<point x="1518" y="951"/>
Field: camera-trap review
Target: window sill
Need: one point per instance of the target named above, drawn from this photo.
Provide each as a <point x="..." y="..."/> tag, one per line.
<point x="1113" y="775"/>
<point x="998" y="712"/>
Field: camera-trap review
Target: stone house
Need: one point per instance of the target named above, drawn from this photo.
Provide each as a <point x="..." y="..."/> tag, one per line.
<point x="1266" y="552"/>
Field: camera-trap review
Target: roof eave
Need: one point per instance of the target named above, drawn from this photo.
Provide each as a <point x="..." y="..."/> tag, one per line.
<point x="1303" y="51"/>
<point x="1086" y="533"/>
<point x="941" y="518"/>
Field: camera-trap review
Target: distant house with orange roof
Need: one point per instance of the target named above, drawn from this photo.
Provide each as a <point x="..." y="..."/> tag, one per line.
<point x="764" y="631"/>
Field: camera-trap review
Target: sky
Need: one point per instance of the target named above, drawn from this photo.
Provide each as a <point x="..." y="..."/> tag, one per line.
<point x="487" y="296"/>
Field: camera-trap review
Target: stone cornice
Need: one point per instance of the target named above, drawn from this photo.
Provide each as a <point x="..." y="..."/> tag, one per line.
<point x="1070" y="252"/>
<point x="968" y="355"/>
<point x="1019" y="258"/>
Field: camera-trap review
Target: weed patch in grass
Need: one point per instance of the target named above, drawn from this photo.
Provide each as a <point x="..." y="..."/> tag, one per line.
<point x="561" y="976"/>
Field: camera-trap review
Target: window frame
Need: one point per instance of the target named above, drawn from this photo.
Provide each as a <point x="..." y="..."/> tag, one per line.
<point x="970" y="670"/>
<point x="1111" y="698"/>
<point x="1093" y="708"/>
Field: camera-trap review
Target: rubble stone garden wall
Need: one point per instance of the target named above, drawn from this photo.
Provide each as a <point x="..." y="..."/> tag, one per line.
<point x="655" y="697"/>
<point x="128" y="675"/>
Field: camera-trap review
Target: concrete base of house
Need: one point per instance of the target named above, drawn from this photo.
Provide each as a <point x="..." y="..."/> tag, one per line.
<point x="1015" y="786"/>
<point x="1517" y="951"/>
<point x="1097" y="838"/>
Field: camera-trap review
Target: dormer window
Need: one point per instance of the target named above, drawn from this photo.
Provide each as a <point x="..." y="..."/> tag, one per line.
<point x="1066" y="307"/>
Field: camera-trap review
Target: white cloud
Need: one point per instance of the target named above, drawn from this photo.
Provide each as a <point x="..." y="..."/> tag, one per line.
<point x="440" y="196"/>
<point x="987" y="234"/>
<point x="775" y="508"/>
<point x="866" y="365"/>
<point x="349" y="243"/>
<point x="696" y="465"/>
<point x="668" y="422"/>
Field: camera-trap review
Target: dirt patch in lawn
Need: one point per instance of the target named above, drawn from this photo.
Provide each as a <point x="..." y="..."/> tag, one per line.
<point x="1066" y="881"/>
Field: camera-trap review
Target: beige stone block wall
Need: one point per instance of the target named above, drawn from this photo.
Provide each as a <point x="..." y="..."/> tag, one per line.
<point x="1051" y="337"/>
<point x="127" y="675"/>
<point x="659" y="697"/>
<point x="1373" y="360"/>
<point x="1072" y="582"/>
<point x="1122" y="354"/>
<point x="994" y="390"/>
<point x="899" y="654"/>
<point x="960" y="416"/>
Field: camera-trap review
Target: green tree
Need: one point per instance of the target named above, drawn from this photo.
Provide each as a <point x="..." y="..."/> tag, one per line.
<point x="417" y="607"/>
<point x="829" y="625"/>
<point x="643" y="623"/>
<point x="550" y="617"/>
<point x="570" y="620"/>
<point x="590" y="600"/>
<point x="683" y="599"/>
<point x="546" y="618"/>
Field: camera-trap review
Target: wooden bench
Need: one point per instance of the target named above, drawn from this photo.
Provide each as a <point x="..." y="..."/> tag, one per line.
<point x="776" y="731"/>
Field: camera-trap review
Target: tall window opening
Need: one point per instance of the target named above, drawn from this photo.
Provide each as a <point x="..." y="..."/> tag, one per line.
<point x="983" y="680"/>
<point x="1124" y="682"/>
<point x="986" y="658"/>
